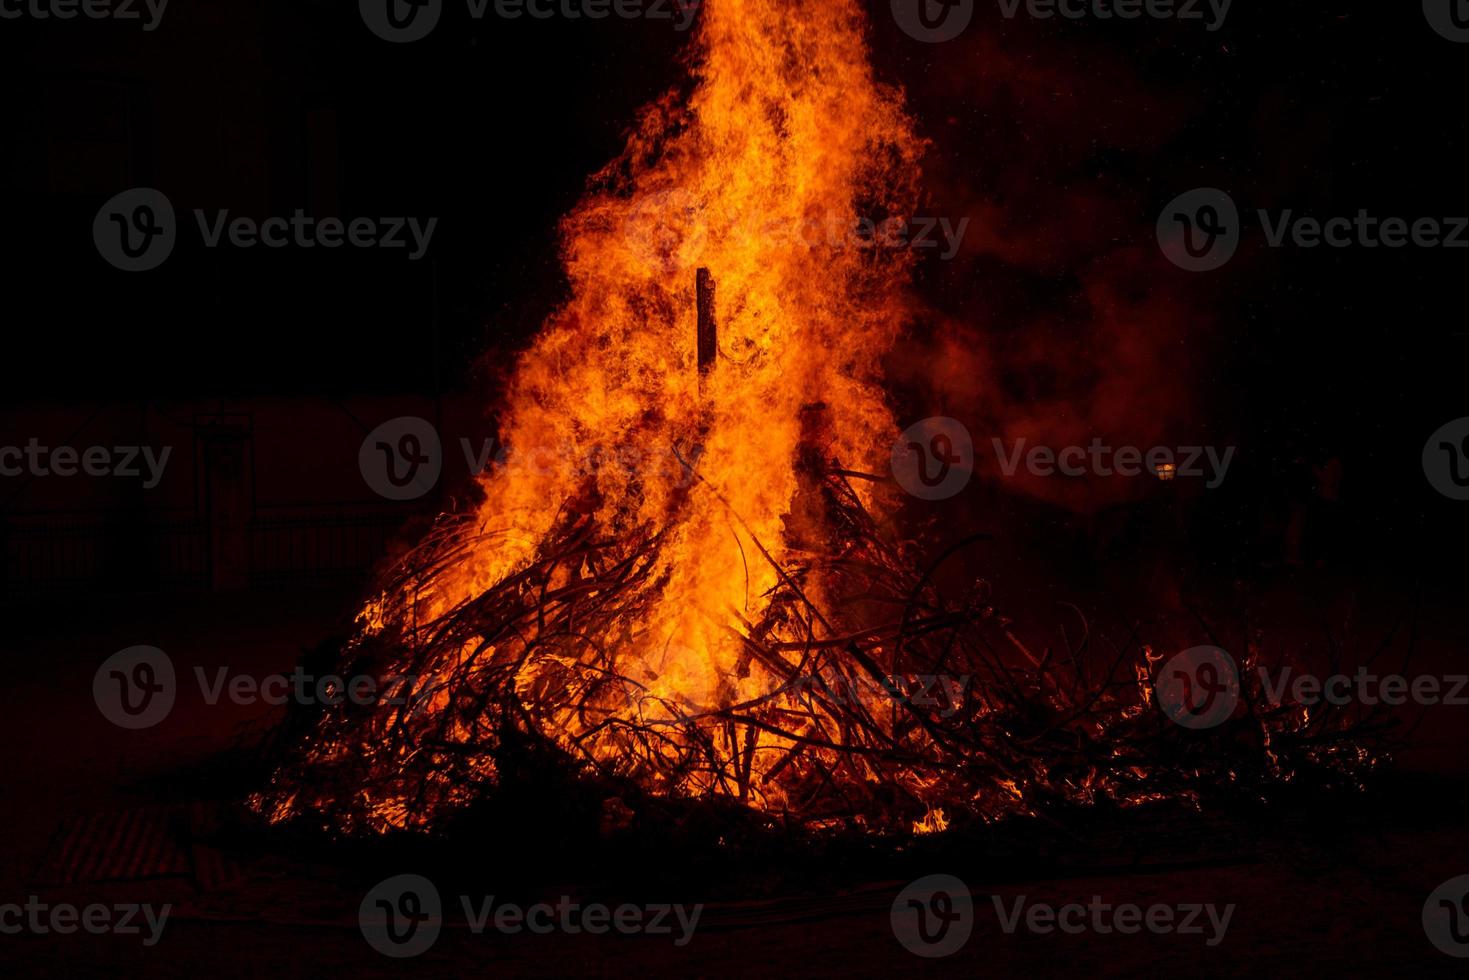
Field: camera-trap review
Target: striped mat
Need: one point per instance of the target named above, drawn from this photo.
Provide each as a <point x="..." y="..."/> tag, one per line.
<point x="134" y="845"/>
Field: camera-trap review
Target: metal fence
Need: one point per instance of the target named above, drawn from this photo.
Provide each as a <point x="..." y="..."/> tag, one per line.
<point x="286" y="550"/>
<point x="171" y="551"/>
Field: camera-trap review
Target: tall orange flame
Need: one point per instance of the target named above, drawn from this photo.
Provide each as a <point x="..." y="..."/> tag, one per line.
<point x="786" y="142"/>
<point x="761" y="174"/>
<point x="674" y="577"/>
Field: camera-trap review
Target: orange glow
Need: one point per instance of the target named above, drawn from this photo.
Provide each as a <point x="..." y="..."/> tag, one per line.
<point x="786" y="132"/>
<point x="761" y="176"/>
<point x="678" y="582"/>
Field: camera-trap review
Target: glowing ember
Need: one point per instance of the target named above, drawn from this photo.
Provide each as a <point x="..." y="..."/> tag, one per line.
<point x="659" y="581"/>
<point x="786" y="137"/>
<point x="785" y="133"/>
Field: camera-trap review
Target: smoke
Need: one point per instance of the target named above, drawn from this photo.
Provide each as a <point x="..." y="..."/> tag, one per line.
<point x="1059" y="321"/>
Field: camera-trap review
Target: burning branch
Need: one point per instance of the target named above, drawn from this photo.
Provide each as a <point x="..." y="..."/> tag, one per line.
<point x="749" y="631"/>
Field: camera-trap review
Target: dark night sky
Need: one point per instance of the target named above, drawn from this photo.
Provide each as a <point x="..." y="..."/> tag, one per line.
<point x="492" y="126"/>
<point x="1062" y="139"/>
<point x="263" y="108"/>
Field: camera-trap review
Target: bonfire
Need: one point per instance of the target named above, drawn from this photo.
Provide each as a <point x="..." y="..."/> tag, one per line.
<point x="686" y="573"/>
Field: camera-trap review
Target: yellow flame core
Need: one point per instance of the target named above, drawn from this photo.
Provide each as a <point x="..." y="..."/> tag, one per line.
<point x="785" y="143"/>
<point x="782" y="148"/>
<point x="762" y="173"/>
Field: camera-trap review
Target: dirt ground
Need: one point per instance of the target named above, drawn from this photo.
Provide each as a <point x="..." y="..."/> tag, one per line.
<point x="1339" y="901"/>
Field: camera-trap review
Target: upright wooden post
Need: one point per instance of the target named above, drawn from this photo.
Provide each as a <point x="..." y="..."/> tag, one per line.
<point x="708" y="337"/>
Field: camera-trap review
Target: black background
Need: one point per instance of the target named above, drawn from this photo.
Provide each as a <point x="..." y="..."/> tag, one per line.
<point x="1061" y="140"/>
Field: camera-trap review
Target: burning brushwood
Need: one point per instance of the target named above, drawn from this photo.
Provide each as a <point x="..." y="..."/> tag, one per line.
<point x="934" y="708"/>
<point x="750" y="629"/>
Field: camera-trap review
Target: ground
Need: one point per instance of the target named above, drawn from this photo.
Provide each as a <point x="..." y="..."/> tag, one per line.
<point x="1336" y="897"/>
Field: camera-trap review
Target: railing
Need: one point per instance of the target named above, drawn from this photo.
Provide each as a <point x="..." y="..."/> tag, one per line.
<point x="323" y="547"/>
<point x="171" y="551"/>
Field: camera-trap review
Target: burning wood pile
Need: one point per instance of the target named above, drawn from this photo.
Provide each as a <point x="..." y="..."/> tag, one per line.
<point x="935" y="709"/>
<point x="686" y="577"/>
